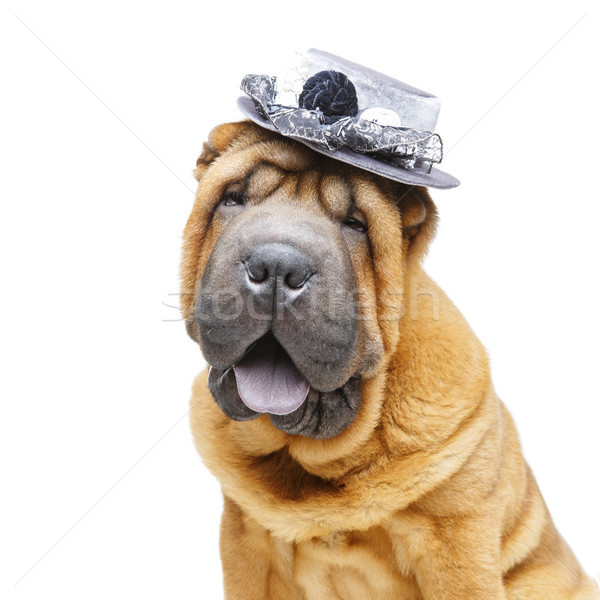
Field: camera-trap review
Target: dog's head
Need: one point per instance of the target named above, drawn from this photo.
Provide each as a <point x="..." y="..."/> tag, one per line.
<point x="293" y="276"/>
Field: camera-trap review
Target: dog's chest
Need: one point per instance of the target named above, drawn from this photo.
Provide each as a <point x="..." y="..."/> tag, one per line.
<point x="349" y="566"/>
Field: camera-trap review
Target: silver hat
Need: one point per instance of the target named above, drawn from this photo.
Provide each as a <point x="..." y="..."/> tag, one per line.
<point x="352" y="114"/>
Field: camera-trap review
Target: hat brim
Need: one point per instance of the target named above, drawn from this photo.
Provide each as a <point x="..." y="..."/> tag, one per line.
<point x="435" y="178"/>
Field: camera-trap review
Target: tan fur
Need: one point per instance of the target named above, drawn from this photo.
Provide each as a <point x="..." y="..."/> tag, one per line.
<point x="426" y="496"/>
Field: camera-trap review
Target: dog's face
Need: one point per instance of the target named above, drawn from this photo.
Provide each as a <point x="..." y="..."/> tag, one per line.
<point x="293" y="278"/>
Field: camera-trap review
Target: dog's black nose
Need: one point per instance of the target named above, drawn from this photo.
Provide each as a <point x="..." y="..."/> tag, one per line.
<point x="276" y="264"/>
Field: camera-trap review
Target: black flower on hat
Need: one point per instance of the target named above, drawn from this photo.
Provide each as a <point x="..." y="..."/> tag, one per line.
<point x="331" y="93"/>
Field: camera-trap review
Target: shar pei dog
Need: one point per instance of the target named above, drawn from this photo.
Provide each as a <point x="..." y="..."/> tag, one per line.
<point x="348" y="411"/>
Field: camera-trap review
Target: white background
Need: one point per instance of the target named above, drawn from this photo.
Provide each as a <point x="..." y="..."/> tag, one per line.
<point x="105" y="108"/>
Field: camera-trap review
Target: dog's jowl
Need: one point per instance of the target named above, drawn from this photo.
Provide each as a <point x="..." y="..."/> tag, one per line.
<point x="347" y="408"/>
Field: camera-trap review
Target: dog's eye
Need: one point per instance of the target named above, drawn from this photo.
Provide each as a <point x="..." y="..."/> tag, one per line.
<point x="231" y="198"/>
<point x="356" y="224"/>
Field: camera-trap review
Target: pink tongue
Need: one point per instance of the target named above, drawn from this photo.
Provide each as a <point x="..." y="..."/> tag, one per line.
<point x="268" y="381"/>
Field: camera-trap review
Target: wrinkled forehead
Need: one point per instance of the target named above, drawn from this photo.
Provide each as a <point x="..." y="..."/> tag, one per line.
<point x="293" y="172"/>
<point x="312" y="188"/>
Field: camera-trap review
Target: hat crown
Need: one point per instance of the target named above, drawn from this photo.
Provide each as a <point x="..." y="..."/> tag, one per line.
<point x="415" y="108"/>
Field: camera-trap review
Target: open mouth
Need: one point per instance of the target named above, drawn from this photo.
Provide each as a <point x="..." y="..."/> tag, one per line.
<point x="267" y="379"/>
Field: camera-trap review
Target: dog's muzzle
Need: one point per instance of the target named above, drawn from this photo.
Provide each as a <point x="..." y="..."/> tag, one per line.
<point x="276" y="316"/>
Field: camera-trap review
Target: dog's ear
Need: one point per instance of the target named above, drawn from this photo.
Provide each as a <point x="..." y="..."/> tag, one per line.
<point x="419" y="220"/>
<point x="219" y="139"/>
